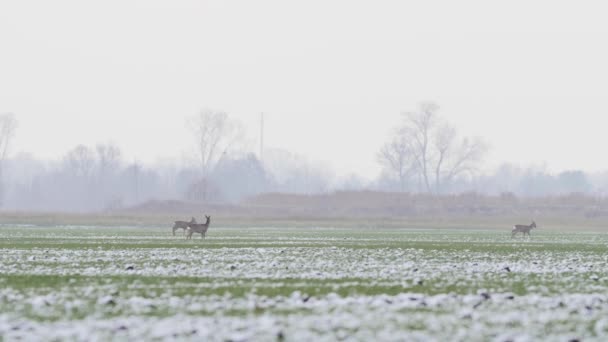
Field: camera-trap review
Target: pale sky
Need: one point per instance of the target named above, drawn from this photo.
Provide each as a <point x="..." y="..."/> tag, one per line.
<point x="530" y="77"/>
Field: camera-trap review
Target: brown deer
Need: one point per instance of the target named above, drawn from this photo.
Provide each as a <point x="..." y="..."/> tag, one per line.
<point x="522" y="228"/>
<point x="200" y="228"/>
<point x="182" y="225"/>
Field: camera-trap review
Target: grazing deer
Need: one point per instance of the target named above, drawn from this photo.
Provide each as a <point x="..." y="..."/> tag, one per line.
<point x="182" y="225"/>
<point x="522" y="228"/>
<point x="200" y="228"/>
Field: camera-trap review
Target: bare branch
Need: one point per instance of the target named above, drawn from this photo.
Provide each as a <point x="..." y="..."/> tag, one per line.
<point x="215" y="134"/>
<point x="397" y="156"/>
<point x="434" y="148"/>
<point x="80" y="161"/>
<point x="108" y="158"/>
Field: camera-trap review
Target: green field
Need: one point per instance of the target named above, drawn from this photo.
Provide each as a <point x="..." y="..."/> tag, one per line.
<point x="124" y="283"/>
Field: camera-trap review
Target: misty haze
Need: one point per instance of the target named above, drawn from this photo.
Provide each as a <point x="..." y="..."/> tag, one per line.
<point x="275" y="170"/>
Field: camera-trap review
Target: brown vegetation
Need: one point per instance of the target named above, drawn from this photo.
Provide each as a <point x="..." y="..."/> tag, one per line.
<point x="361" y="204"/>
<point x="355" y="208"/>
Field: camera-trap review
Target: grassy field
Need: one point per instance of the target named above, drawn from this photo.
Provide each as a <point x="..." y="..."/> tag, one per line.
<point x="124" y="283"/>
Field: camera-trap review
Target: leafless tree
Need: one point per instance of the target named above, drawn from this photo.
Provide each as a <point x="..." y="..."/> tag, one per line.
<point x="417" y="128"/>
<point x="108" y="159"/>
<point x="107" y="164"/>
<point x="431" y="148"/>
<point x="215" y="135"/>
<point x="453" y="156"/>
<point x="8" y="124"/>
<point x="296" y="173"/>
<point x="398" y="158"/>
<point x="80" y="161"/>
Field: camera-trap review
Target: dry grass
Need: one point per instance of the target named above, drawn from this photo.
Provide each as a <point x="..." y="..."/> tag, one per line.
<point x="352" y="209"/>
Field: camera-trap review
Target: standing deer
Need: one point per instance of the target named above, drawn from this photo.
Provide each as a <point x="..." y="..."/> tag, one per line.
<point x="522" y="228"/>
<point x="182" y="225"/>
<point x="200" y="228"/>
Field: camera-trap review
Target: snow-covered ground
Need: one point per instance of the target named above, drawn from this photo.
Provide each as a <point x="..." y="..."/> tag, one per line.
<point x="71" y="283"/>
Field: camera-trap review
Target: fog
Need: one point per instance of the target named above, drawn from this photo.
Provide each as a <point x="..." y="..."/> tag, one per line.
<point x="82" y="181"/>
<point x="518" y="88"/>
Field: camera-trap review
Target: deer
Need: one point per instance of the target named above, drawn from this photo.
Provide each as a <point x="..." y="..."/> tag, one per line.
<point x="200" y="228"/>
<point x="522" y="228"/>
<point x="182" y="225"/>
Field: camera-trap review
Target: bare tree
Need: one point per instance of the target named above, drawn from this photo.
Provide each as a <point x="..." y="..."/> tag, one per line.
<point x="296" y="173"/>
<point x="431" y="148"/>
<point x="80" y="161"/>
<point x="417" y="130"/>
<point x="108" y="159"/>
<point x="107" y="163"/>
<point x="398" y="158"/>
<point x="8" y="124"/>
<point x="454" y="157"/>
<point x="215" y="135"/>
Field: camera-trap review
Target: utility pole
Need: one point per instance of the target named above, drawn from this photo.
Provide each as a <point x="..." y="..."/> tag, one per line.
<point x="261" y="137"/>
<point x="136" y="179"/>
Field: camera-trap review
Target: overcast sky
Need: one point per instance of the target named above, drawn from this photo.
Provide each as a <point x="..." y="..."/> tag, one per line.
<point x="530" y="77"/>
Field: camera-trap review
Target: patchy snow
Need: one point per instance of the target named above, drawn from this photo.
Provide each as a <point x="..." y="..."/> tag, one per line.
<point x="519" y="291"/>
<point x="402" y="317"/>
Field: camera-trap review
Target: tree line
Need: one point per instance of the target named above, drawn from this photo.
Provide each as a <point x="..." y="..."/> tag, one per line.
<point x="423" y="154"/>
